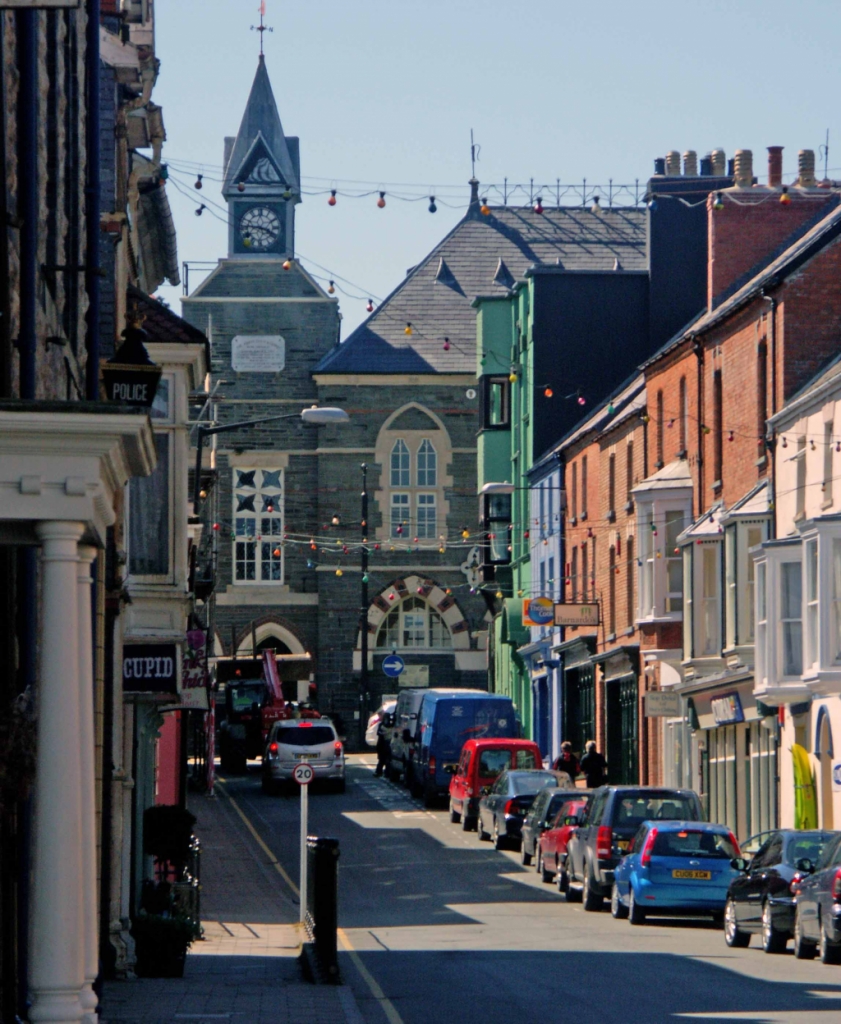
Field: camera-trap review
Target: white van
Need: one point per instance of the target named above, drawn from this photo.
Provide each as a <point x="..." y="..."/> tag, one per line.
<point x="403" y="734"/>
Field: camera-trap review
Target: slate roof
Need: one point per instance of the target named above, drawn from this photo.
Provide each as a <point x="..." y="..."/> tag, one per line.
<point x="161" y="324"/>
<point x="482" y="255"/>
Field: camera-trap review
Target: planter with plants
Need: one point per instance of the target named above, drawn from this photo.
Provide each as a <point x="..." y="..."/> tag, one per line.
<point x="162" y="933"/>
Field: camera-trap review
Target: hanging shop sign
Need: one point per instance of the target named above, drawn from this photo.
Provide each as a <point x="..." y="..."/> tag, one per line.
<point x="150" y="668"/>
<point x="662" y="704"/>
<point x="538" y="611"/>
<point x="727" y="709"/>
<point x="131" y="378"/>
<point x="194" y="671"/>
<point x="576" y="614"/>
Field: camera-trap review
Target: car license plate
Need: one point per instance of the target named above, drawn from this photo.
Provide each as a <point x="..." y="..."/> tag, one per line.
<point x="306" y="757"/>
<point x="702" y="876"/>
<point x="624" y="844"/>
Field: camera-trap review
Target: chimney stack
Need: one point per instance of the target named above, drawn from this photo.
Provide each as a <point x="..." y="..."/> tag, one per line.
<point x="719" y="162"/>
<point x="707" y="165"/>
<point x="690" y="163"/>
<point x="673" y="163"/>
<point x="743" y="168"/>
<point x="775" y="166"/>
<point x="806" y="168"/>
<point x="659" y="165"/>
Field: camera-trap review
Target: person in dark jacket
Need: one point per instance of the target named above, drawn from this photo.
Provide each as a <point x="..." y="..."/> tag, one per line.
<point x="567" y="761"/>
<point x="383" y="746"/>
<point x="594" y="766"/>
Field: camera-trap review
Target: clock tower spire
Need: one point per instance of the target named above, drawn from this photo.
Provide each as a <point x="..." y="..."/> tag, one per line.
<point x="262" y="178"/>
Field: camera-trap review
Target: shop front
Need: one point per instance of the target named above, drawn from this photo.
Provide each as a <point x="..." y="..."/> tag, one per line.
<point x="619" y="669"/>
<point x="578" y="691"/>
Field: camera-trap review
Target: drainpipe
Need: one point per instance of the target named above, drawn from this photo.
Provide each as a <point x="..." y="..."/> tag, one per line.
<point x="5" y="340"/>
<point x="92" y="200"/>
<point x="27" y="25"/>
<point x="698" y="349"/>
<point x="772" y="448"/>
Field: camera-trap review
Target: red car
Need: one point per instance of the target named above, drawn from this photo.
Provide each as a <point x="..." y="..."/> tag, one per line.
<point x="552" y="849"/>
<point x="480" y="764"/>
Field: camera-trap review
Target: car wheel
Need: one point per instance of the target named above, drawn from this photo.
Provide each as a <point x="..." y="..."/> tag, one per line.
<point x="803" y="948"/>
<point x="483" y="835"/>
<point x="617" y="907"/>
<point x="525" y="856"/>
<point x="573" y="895"/>
<point x="455" y="817"/>
<point x="498" y="840"/>
<point x="829" y="952"/>
<point x="733" y="935"/>
<point x="468" y="824"/>
<point x="545" y="875"/>
<point x="592" y="900"/>
<point x="563" y="882"/>
<point x="773" y="941"/>
<point x="636" y="914"/>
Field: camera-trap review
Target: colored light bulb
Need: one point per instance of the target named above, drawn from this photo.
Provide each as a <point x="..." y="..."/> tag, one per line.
<point x="331" y="289"/>
<point x="484" y="209"/>
<point x="432" y="207"/>
<point x="369" y="305"/>
<point x="548" y="392"/>
<point x="446" y="344"/>
<point x="381" y="200"/>
<point x="287" y="264"/>
<point x="198" y="181"/>
<point x="538" y="206"/>
<point x="332" y="200"/>
<point x="408" y="330"/>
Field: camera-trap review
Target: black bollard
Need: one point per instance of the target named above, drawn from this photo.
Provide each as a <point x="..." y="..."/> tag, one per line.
<point x="321" y="919"/>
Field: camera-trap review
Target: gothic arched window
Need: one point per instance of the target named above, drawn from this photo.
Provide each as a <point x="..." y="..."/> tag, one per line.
<point x="413" y="624"/>
<point x="400" y="464"/>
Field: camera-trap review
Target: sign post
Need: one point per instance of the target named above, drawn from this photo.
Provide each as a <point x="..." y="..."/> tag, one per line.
<point x="303" y="774"/>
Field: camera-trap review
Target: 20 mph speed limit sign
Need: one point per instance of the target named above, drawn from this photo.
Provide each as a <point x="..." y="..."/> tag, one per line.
<point x="303" y="774"/>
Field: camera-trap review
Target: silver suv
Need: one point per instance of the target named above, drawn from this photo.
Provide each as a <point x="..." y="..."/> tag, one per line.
<point x="312" y="741"/>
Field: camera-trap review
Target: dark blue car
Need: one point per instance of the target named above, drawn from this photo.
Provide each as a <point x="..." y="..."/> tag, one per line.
<point x="817" y="908"/>
<point x="675" y="867"/>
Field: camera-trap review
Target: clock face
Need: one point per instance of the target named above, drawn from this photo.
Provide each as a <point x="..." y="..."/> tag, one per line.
<point x="259" y="228"/>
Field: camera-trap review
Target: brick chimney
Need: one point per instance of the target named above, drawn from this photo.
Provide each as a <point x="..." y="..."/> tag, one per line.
<point x="775" y="166"/>
<point x="751" y="226"/>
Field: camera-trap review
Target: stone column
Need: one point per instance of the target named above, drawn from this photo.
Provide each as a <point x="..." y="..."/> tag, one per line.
<point x="87" y="741"/>
<point x="56" y="970"/>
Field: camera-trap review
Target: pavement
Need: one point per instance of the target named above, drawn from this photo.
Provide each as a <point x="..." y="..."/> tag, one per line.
<point x="245" y="970"/>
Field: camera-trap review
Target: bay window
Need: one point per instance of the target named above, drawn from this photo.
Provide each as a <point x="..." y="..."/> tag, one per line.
<point x="791" y="622"/>
<point x="740" y="584"/>
<point x="779" y="621"/>
<point x="702" y="606"/>
<point x="660" y="564"/>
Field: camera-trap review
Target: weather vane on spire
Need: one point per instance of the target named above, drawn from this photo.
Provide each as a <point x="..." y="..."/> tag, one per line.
<point x="261" y="28"/>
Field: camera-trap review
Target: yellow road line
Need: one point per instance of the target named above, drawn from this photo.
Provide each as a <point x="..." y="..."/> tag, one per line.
<point x="272" y="859"/>
<point x="386" y="1004"/>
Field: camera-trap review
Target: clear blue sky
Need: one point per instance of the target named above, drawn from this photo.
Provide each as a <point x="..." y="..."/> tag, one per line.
<point x="386" y="91"/>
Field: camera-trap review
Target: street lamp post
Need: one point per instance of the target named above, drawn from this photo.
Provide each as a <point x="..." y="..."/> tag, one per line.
<point x="315" y="415"/>
<point x="363" y="614"/>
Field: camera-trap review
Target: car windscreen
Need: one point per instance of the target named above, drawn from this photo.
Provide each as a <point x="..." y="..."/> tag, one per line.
<point x="691" y="843"/>
<point x="808" y="847"/>
<point x="492" y="762"/>
<point x="533" y="782"/>
<point x="555" y="804"/>
<point x="457" y="721"/>
<point x="633" y="809"/>
<point x="296" y="736"/>
<point x="244" y="695"/>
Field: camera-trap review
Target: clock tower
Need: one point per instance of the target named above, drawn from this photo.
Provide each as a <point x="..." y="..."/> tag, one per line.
<point x="262" y="179"/>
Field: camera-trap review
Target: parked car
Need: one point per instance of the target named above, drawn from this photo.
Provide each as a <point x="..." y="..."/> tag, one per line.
<point x="503" y="808"/>
<point x="675" y="867"/>
<point x="404" y="735"/>
<point x="446" y="721"/>
<point x="817" y="908"/>
<point x="295" y="741"/>
<point x="604" y="835"/>
<point x="479" y="766"/>
<point x="542" y="814"/>
<point x="552" y="847"/>
<point x="386" y="708"/>
<point x="761" y="899"/>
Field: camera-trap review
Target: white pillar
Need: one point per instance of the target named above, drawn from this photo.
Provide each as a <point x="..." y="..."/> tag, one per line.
<point x="56" y="971"/>
<point x="87" y="743"/>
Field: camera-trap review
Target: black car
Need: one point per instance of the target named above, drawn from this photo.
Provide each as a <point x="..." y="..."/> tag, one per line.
<point x="505" y="805"/>
<point x="541" y="814"/>
<point x="761" y="899"/>
<point x="610" y="823"/>
<point x="817" y="908"/>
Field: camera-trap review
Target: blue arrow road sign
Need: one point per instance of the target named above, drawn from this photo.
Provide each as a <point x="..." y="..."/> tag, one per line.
<point x="393" y="665"/>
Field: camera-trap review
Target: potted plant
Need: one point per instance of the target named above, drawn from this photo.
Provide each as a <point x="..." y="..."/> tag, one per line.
<point x="162" y="933"/>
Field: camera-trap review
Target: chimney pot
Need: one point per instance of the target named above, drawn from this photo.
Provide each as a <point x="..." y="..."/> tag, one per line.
<point x="719" y="162"/>
<point x="673" y="163"/>
<point x="659" y="165"/>
<point x="690" y="163"/>
<point x="806" y="168"/>
<point x="706" y="165"/>
<point x="743" y="168"/>
<point x="775" y="166"/>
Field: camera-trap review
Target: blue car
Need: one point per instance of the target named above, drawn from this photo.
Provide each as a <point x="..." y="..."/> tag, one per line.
<point x="675" y="867"/>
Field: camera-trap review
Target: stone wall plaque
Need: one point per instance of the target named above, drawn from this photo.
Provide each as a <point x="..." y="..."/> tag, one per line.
<point x="258" y="353"/>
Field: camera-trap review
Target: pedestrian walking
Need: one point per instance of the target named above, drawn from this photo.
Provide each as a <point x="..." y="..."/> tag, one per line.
<point x="593" y="765"/>
<point x="567" y="761"/>
<point x="383" y="747"/>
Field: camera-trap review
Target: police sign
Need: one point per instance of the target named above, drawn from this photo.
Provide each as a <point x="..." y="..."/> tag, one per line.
<point x="150" y="668"/>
